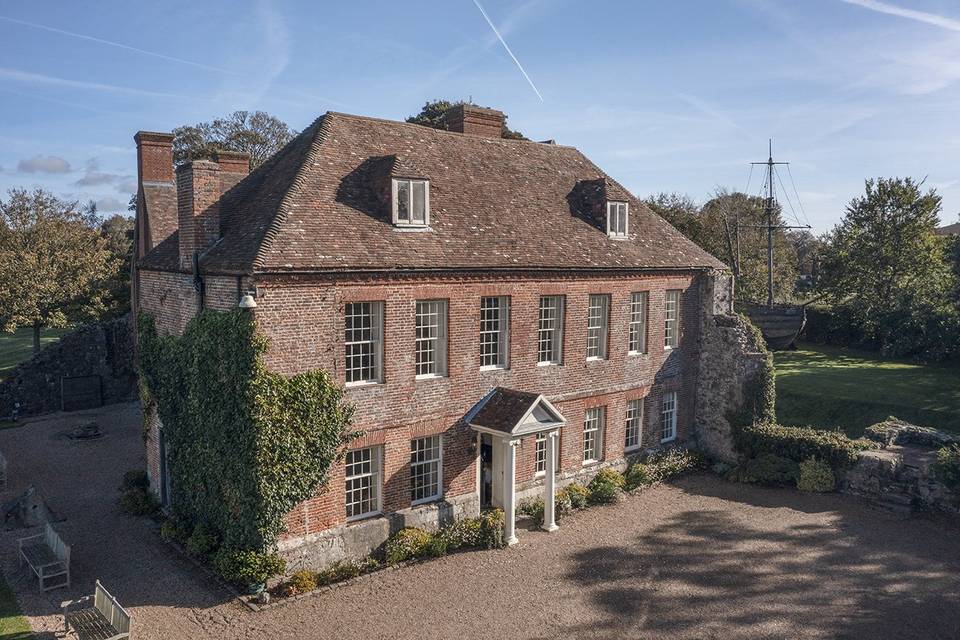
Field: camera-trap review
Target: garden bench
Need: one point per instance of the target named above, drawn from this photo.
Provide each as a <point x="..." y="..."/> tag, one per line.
<point x="105" y="619"/>
<point x="47" y="556"/>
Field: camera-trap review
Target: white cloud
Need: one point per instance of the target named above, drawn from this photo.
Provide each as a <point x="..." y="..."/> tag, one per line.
<point x="110" y="204"/>
<point x="26" y="77"/>
<point x="93" y="177"/>
<point x="43" y="164"/>
<point x="934" y="19"/>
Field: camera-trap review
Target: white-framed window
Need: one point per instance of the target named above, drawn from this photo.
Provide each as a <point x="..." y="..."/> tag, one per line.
<point x="363" y="342"/>
<point x="494" y="332"/>
<point x="671" y="318"/>
<point x="431" y="338"/>
<point x="598" y="317"/>
<point x="426" y="469"/>
<point x="362" y="482"/>
<point x="593" y="434"/>
<point x="638" y="322"/>
<point x="617" y="219"/>
<point x="540" y="455"/>
<point x="634" y="427"/>
<point x="668" y="417"/>
<point x="411" y="202"/>
<point x="550" y="330"/>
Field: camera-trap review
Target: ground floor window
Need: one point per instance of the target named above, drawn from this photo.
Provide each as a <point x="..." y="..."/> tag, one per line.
<point x="668" y="417"/>
<point x="426" y="466"/>
<point x="593" y="434"/>
<point x="634" y="424"/>
<point x="362" y="482"/>
<point x="540" y="455"/>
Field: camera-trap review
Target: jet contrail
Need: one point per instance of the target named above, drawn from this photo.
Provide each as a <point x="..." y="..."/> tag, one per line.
<point x="507" y="47"/>
<point x="119" y="45"/>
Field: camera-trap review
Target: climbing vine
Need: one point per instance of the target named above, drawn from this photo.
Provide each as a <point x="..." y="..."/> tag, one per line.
<point x="244" y="444"/>
<point x="760" y="392"/>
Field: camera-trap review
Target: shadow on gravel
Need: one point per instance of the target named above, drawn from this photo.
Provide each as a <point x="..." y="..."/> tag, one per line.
<point x="708" y="574"/>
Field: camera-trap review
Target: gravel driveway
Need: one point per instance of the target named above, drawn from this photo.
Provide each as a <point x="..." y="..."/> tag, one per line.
<point x="698" y="559"/>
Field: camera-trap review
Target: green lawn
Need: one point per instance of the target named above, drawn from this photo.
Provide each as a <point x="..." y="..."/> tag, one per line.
<point x="18" y="346"/>
<point x="13" y="626"/>
<point x="829" y="387"/>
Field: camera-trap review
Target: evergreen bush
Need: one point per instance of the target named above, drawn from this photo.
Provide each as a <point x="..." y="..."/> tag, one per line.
<point x="816" y="476"/>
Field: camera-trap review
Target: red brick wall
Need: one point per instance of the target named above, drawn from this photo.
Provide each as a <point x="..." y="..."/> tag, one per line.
<point x="305" y="326"/>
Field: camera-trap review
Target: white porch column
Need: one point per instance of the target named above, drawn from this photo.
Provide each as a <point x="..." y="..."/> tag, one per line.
<point x="510" y="492"/>
<point x="550" y="483"/>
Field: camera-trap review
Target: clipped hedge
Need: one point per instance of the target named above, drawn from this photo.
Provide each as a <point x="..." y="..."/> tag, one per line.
<point x="816" y="476"/>
<point x="946" y="468"/>
<point x="799" y="444"/>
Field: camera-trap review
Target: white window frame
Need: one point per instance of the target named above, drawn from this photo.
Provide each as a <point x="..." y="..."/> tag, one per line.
<point x="618" y="212"/>
<point x="438" y="341"/>
<point x="550" y="331"/>
<point x="668" y="417"/>
<point x="671" y="318"/>
<point x="594" y="420"/>
<point x="357" y="342"/>
<point x="540" y="455"/>
<point x="433" y="465"/>
<point x="639" y="304"/>
<point x="375" y="476"/>
<point x="597" y="345"/>
<point x="633" y="427"/>
<point x="495" y="332"/>
<point x="395" y="202"/>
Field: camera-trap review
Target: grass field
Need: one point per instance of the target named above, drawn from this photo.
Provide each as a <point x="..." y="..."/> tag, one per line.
<point x="18" y="346"/>
<point x="829" y="387"/>
<point x="13" y="626"/>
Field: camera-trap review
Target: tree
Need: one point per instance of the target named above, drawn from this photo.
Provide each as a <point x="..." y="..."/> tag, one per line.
<point x="434" y="115"/>
<point x="808" y="250"/>
<point x="887" y="269"/>
<point x="53" y="261"/>
<point x="257" y="133"/>
<point x="118" y="231"/>
<point x="727" y="226"/>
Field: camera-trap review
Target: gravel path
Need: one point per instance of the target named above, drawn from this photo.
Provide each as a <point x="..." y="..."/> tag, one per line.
<point x="699" y="559"/>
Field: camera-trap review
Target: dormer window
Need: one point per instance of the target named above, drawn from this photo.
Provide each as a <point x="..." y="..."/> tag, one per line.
<point x="411" y="202"/>
<point x="617" y="219"/>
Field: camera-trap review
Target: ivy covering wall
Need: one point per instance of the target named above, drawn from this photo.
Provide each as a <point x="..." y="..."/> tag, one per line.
<point x="244" y="445"/>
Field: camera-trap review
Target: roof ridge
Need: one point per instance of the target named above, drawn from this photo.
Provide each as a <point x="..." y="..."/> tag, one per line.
<point x="447" y="132"/>
<point x="283" y="210"/>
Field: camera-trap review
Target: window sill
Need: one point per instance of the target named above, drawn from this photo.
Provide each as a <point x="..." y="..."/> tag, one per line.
<point x="590" y="463"/>
<point x="430" y="376"/>
<point x="364" y="516"/>
<point x="426" y="501"/>
<point x="549" y="364"/>
<point x="596" y="358"/>
<point x="636" y="354"/>
<point x="667" y="347"/>
<point x="666" y="440"/>
<point x="412" y="228"/>
<point x="362" y="383"/>
<point x="494" y="367"/>
<point x="539" y="474"/>
<point x="633" y="449"/>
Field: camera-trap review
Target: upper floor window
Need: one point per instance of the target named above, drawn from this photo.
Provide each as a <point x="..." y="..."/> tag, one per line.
<point x="550" y="330"/>
<point x="671" y="318"/>
<point x="668" y="417"/>
<point x="598" y="315"/>
<point x="431" y="338"/>
<point x="363" y="342"/>
<point x="494" y="331"/>
<point x="411" y="202"/>
<point x="634" y="426"/>
<point x="426" y="466"/>
<point x="617" y="219"/>
<point x="638" y="322"/>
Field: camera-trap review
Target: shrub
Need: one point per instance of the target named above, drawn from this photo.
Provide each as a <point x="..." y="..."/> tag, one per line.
<point x="816" y="476"/>
<point x="637" y="476"/>
<point x="766" y="469"/>
<point x="201" y="542"/>
<point x="406" y="544"/>
<point x="563" y="504"/>
<point x="491" y="529"/>
<point x="301" y="582"/>
<point x="135" y="479"/>
<point x="578" y="494"/>
<point x="946" y="468"/>
<point x="174" y="530"/>
<point x="138" y="502"/>
<point x="534" y="508"/>
<point x="606" y="486"/>
<point x="247" y="567"/>
<point x="671" y="463"/>
<point x="462" y="533"/>
<point x="800" y="443"/>
<point x="437" y="546"/>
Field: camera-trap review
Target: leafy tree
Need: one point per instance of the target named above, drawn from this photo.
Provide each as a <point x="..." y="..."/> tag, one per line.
<point x="714" y="227"/>
<point x="118" y="231"/>
<point x="887" y="271"/>
<point x="808" y="253"/>
<point x="434" y="115"/>
<point x="53" y="263"/>
<point x="257" y="133"/>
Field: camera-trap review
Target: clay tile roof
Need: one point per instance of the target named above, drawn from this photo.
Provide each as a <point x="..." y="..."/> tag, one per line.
<point x="503" y="409"/>
<point x="949" y="230"/>
<point x="318" y="205"/>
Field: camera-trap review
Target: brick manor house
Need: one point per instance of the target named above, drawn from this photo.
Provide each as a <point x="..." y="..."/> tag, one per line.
<point x="504" y="316"/>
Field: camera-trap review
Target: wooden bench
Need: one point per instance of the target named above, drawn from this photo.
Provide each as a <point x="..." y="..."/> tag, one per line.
<point x="47" y="556"/>
<point x="105" y="619"/>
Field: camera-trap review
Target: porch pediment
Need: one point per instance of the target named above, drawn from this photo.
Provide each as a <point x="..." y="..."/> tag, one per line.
<point x="508" y="412"/>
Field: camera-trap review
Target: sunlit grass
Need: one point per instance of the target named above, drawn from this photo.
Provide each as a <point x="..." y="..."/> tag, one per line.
<point x="840" y="388"/>
<point x="13" y="626"/>
<point x="18" y="346"/>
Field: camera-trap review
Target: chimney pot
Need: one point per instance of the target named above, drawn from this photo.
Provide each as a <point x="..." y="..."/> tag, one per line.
<point x="474" y="120"/>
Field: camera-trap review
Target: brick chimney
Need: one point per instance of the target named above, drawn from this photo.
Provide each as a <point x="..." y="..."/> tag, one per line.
<point x="198" y="208"/>
<point x="156" y="192"/>
<point x="234" y="167"/>
<point x="476" y="121"/>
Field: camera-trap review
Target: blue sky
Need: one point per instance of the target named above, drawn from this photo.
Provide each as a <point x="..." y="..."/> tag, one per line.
<point x="665" y="96"/>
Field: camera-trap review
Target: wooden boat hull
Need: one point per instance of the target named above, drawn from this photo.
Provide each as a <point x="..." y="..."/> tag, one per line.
<point x="780" y="324"/>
